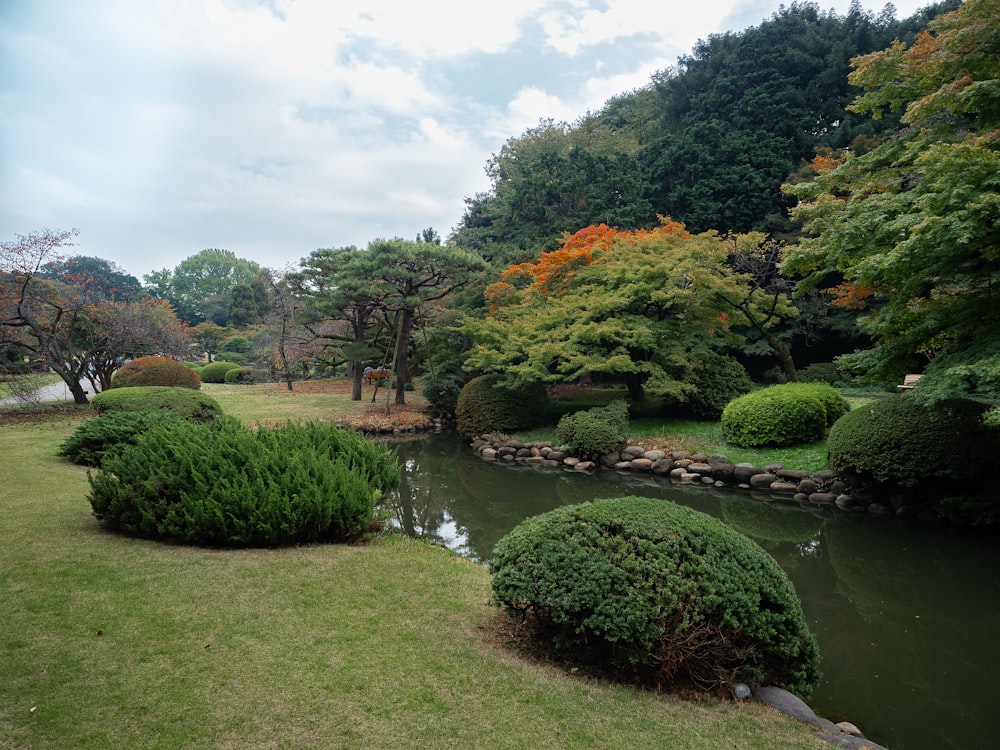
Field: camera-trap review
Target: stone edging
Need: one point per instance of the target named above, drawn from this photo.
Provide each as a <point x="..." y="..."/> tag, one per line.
<point x="843" y="735"/>
<point x="808" y="488"/>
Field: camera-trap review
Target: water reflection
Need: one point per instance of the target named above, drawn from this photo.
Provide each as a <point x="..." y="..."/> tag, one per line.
<point x="907" y="617"/>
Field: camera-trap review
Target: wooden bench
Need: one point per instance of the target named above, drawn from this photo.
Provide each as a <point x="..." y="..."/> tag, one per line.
<point x="373" y="376"/>
<point x="909" y="381"/>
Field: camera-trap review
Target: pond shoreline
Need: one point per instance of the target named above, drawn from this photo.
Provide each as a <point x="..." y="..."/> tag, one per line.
<point x="809" y="489"/>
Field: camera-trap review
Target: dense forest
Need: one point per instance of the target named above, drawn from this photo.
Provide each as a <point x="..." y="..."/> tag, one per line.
<point x="708" y="143"/>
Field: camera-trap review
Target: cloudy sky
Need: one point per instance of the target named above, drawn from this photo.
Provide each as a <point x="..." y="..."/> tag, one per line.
<point x="159" y="128"/>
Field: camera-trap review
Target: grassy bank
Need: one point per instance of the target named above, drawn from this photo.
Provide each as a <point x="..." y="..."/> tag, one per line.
<point x="701" y="437"/>
<point x="111" y="642"/>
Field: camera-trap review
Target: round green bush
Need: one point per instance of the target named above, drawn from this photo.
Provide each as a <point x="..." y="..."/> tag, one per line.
<point x="223" y="484"/>
<point x="717" y="380"/>
<point x="215" y="372"/>
<point x="592" y="433"/>
<point x="939" y="458"/>
<point x="650" y="589"/>
<point x="782" y="415"/>
<point x="484" y="405"/>
<point x="237" y="345"/>
<point x="146" y="371"/>
<point x="834" y="405"/>
<point x="184" y="402"/>
<point x="106" y="435"/>
<point x="441" y="391"/>
<point x="243" y="375"/>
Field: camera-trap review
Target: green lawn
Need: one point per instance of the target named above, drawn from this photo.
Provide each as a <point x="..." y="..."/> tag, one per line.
<point x="112" y="642"/>
<point x="706" y="437"/>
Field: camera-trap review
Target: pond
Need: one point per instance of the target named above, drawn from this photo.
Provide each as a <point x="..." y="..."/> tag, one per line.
<point x="907" y="617"/>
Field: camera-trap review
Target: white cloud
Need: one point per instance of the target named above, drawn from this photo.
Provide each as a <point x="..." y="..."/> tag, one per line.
<point x="271" y="128"/>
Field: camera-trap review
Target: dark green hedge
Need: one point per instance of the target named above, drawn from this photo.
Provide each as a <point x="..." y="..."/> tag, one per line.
<point x="184" y="402"/>
<point x="485" y="405"/>
<point x="717" y="380"/>
<point x="657" y="591"/>
<point x="107" y="435"/>
<point x="942" y="459"/>
<point x="222" y="484"/>
<point x="241" y="375"/>
<point x="216" y="371"/>
<point x="151" y="371"/>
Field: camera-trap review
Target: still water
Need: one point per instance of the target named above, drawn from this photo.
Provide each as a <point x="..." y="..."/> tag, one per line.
<point x="908" y="618"/>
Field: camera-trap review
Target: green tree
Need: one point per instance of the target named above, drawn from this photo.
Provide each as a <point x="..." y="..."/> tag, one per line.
<point x="412" y="274"/>
<point x="912" y="225"/>
<point x="208" y="337"/>
<point x="340" y="285"/>
<point x="643" y="306"/>
<point x="554" y="179"/>
<point x="201" y="281"/>
<point x="242" y="305"/>
<point x="744" y="108"/>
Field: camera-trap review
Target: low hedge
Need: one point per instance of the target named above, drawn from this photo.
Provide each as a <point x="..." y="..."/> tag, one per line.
<point x="717" y="380"/>
<point x="655" y="591"/>
<point x="940" y="459"/>
<point x="215" y="372"/>
<point x="108" y="434"/>
<point x="244" y="375"/>
<point x="223" y="484"/>
<point x="592" y="433"/>
<point x="184" y="402"/>
<point x="782" y="415"/>
<point x="150" y="371"/>
<point x="486" y="405"/>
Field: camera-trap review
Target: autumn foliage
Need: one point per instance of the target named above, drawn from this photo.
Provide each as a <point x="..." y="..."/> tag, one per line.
<point x="552" y="272"/>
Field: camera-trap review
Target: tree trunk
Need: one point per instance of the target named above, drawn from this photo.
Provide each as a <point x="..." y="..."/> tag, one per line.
<point x="76" y="388"/>
<point x="356" y="373"/>
<point x="402" y="346"/>
<point x="784" y="356"/>
<point x="633" y="381"/>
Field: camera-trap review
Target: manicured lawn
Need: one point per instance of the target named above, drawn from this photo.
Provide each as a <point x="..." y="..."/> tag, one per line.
<point x="706" y="437"/>
<point x="112" y="642"/>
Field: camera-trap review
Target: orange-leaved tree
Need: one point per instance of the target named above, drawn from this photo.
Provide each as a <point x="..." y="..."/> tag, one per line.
<point x="643" y="306"/>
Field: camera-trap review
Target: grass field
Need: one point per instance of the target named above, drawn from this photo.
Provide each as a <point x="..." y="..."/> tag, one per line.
<point x="112" y="642"/>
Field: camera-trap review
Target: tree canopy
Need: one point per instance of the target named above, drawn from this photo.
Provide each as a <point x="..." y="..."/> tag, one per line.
<point x="200" y="287"/>
<point x="644" y="306"/>
<point x="708" y="143"/>
<point x="71" y="325"/>
<point x="912" y="226"/>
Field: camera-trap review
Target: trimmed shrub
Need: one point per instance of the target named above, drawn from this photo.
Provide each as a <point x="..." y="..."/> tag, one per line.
<point x="223" y="484"/>
<point x="834" y="405"/>
<point x="938" y="459"/>
<point x="441" y="391"/>
<point x="485" y="405"/>
<point x="592" y="433"/>
<point x="237" y="345"/>
<point x="245" y="375"/>
<point x="106" y="435"/>
<point x="146" y="371"/>
<point x="782" y="415"/>
<point x="216" y="371"/>
<point x="822" y="372"/>
<point x="718" y="380"/>
<point x="184" y="402"/>
<point x="652" y="590"/>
